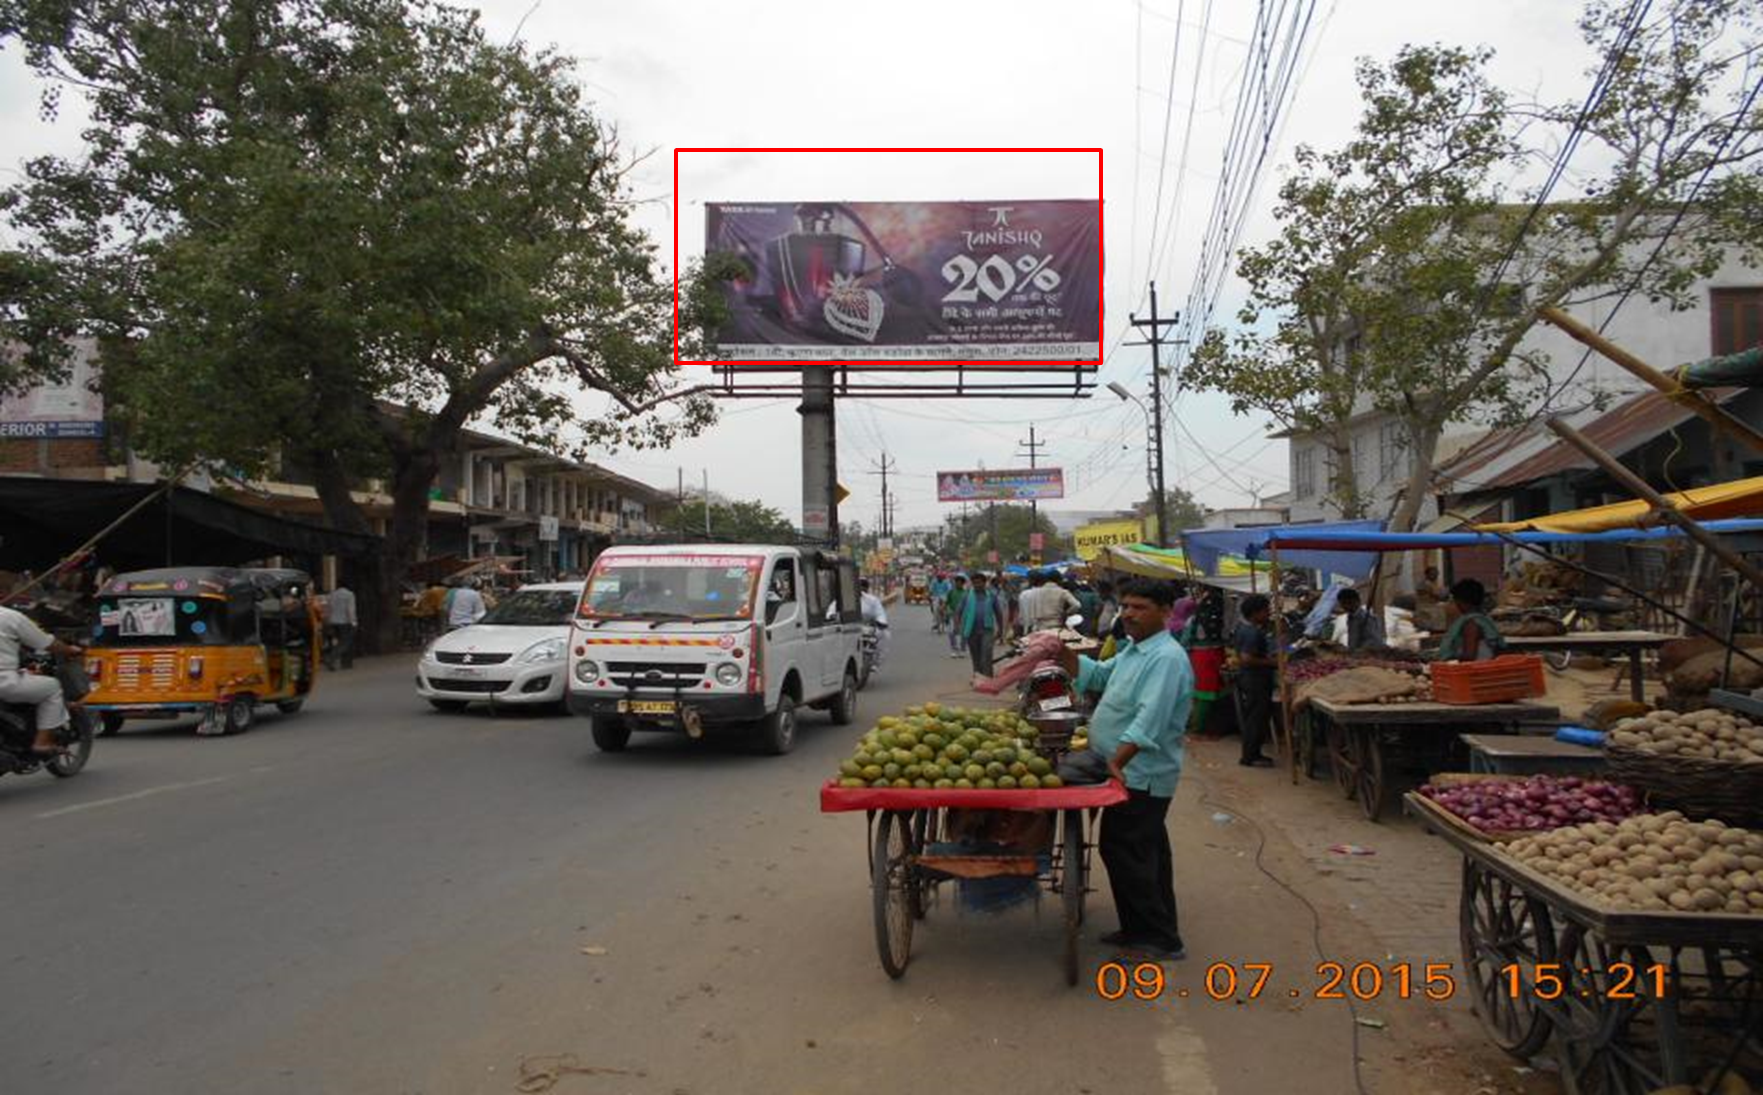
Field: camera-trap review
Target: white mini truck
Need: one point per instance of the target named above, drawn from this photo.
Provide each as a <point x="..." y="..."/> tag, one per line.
<point x="689" y="637"/>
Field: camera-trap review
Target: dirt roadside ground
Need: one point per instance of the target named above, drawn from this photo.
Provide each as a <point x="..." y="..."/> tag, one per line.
<point x="1240" y="833"/>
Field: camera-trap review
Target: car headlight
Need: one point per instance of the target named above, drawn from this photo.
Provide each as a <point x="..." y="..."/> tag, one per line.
<point x="729" y="674"/>
<point x="586" y="672"/>
<point x="551" y="650"/>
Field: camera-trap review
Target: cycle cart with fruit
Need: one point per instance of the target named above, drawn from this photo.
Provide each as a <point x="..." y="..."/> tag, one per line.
<point x="907" y="827"/>
<point x="1369" y="743"/>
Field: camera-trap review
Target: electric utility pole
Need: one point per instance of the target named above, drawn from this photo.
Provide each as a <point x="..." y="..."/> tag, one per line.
<point x="888" y="464"/>
<point x="1156" y="342"/>
<point x="1034" y="448"/>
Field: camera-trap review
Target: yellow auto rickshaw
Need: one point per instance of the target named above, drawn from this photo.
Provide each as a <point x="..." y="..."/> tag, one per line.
<point x="214" y="641"/>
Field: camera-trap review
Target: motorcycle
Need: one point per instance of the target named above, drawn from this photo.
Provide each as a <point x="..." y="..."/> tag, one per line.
<point x="1049" y="688"/>
<point x="869" y="652"/>
<point x="18" y="723"/>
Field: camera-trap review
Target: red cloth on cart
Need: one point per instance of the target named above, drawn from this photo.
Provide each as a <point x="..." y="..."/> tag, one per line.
<point x="1040" y="648"/>
<point x="1208" y="663"/>
<point x="836" y="800"/>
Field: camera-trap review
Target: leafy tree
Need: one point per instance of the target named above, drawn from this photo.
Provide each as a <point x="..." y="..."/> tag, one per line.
<point x="733" y="522"/>
<point x="1402" y="281"/>
<point x="1432" y="130"/>
<point x="1003" y="528"/>
<point x="296" y="214"/>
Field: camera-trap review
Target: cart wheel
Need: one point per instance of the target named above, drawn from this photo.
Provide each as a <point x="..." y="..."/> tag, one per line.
<point x="1601" y="1046"/>
<point x="1499" y="925"/>
<point x="891" y="886"/>
<point x="1071" y="886"/>
<point x="1341" y="759"/>
<point x="1369" y="771"/>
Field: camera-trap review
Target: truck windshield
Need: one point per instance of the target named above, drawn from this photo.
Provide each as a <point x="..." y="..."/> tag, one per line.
<point x="689" y="587"/>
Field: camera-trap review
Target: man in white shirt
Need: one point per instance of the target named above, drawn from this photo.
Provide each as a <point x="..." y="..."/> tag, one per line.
<point x="17" y="634"/>
<point x="340" y="623"/>
<point x="465" y="607"/>
<point x="1046" y="604"/>
<point x="876" y="615"/>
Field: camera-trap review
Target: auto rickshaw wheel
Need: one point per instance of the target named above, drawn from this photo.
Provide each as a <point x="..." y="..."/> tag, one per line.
<point x="241" y="712"/>
<point x="109" y="723"/>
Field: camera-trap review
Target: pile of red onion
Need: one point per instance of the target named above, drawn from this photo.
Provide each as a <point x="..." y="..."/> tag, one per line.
<point x="1536" y="802"/>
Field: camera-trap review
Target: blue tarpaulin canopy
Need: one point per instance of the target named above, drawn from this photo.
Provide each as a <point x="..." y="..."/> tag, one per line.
<point x="1206" y="546"/>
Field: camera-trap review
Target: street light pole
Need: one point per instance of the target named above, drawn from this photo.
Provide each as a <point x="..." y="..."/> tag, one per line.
<point x="1154" y="451"/>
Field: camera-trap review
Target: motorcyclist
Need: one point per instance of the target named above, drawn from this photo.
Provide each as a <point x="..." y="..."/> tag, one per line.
<point x="18" y="633"/>
<point x="875" y="615"/>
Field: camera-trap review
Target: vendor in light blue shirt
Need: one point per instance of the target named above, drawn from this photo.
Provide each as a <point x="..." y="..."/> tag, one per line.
<point x="1139" y="725"/>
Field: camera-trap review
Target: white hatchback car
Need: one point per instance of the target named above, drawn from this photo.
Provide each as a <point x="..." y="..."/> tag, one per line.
<point x="516" y="655"/>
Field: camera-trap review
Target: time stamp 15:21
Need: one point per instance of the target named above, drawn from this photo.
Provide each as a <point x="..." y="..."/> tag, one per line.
<point x="1436" y="981"/>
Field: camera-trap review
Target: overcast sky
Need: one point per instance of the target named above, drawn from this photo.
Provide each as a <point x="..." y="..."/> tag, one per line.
<point x="1029" y="73"/>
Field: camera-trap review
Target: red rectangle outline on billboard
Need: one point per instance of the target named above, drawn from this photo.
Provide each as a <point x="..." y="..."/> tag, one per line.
<point x="795" y="363"/>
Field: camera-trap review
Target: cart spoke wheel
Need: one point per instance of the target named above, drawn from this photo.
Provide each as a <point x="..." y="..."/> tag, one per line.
<point x="1369" y="768"/>
<point x="1341" y="759"/>
<point x="1071" y="887"/>
<point x="892" y="885"/>
<point x="1500" y="926"/>
<point x="1604" y="1046"/>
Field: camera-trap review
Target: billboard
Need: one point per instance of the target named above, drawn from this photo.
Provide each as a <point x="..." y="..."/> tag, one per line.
<point x="69" y="408"/>
<point x="1015" y="281"/>
<point x="1021" y="485"/>
<point x="1092" y="538"/>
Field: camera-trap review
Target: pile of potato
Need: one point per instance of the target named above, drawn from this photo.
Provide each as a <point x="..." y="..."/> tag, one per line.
<point x="1710" y="735"/>
<point x="1653" y="863"/>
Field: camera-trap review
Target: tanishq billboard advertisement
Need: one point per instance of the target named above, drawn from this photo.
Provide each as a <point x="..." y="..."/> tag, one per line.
<point x="1021" y="485"/>
<point x="911" y="281"/>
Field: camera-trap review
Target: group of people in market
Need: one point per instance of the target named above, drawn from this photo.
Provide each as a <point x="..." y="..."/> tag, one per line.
<point x="1165" y="651"/>
<point x="979" y="610"/>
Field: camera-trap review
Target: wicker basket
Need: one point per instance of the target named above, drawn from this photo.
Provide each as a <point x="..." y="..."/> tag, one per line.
<point x="1700" y="788"/>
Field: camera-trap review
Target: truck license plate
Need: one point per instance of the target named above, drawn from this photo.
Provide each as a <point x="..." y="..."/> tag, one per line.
<point x="645" y="707"/>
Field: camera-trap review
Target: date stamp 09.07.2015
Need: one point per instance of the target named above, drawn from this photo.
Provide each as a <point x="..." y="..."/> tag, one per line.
<point x="1367" y="981"/>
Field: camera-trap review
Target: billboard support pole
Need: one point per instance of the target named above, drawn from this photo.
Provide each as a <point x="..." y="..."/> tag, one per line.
<point x="820" y="456"/>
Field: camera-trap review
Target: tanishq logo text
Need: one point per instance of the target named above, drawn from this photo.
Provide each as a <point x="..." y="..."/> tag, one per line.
<point x="1001" y="234"/>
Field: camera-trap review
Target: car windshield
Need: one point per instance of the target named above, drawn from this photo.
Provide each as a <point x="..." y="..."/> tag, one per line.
<point x="533" y="608"/>
<point x="672" y="586"/>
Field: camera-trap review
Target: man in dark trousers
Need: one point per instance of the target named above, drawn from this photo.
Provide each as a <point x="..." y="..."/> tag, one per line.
<point x="1256" y="672"/>
<point x="1140" y="725"/>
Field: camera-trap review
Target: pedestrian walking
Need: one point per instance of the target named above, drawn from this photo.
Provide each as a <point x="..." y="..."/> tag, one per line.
<point x="982" y="620"/>
<point x="340" y="628"/>
<point x="954" y="605"/>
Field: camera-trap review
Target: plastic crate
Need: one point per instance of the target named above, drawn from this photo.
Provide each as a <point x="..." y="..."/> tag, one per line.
<point x="1498" y="680"/>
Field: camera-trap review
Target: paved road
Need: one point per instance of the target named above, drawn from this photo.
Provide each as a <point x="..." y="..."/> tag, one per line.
<point x="372" y="897"/>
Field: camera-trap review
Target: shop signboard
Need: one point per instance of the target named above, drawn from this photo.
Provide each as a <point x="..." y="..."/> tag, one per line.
<point x="1092" y="538"/>
<point x="1019" y="485"/>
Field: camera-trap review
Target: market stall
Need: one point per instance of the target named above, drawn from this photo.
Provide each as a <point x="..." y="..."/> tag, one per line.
<point x="1622" y="644"/>
<point x="1370" y="745"/>
<point x="1632" y="994"/>
<point x="972" y="799"/>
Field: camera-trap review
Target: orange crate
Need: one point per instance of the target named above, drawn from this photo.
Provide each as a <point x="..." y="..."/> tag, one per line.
<point x="1508" y="677"/>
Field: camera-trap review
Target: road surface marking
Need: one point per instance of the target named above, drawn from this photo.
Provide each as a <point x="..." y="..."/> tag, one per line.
<point x="161" y="789"/>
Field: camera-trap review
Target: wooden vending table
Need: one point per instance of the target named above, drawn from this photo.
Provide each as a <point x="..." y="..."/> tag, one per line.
<point x="1530" y="754"/>
<point x="1631" y="1002"/>
<point x="1631" y="643"/>
<point x="1368" y="741"/>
